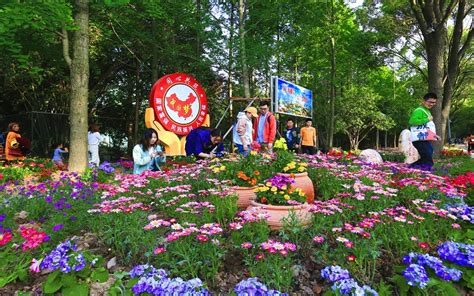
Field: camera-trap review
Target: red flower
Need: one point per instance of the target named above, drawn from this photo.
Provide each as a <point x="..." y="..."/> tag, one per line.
<point x="351" y="258"/>
<point x="424" y="245"/>
<point x="264" y="200"/>
<point x="5" y="238"/>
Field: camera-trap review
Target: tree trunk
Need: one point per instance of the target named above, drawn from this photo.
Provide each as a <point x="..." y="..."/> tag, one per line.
<point x="333" y="82"/>
<point x="443" y="69"/>
<point x="245" y="70"/>
<point x="154" y="59"/>
<point x="79" y="66"/>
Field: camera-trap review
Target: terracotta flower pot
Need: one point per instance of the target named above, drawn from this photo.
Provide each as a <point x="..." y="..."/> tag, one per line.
<point x="277" y="214"/>
<point x="303" y="182"/>
<point x="245" y="194"/>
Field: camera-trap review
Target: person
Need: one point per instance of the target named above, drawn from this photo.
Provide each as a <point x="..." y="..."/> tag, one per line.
<point x="470" y="142"/>
<point x="292" y="136"/>
<point x="204" y="143"/>
<point x="57" y="156"/>
<point x="94" y="138"/>
<point x="148" y="155"/>
<point x="422" y="118"/>
<point x="265" y="128"/>
<point x="243" y="130"/>
<point x="12" y="145"/>
<point x="309" y="138"/>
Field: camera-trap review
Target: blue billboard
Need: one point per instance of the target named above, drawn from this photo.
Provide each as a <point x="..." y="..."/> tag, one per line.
<point x="292" y="99"/>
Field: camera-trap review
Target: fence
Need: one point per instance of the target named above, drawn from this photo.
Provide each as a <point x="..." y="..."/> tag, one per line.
<point x="47" y="129"/>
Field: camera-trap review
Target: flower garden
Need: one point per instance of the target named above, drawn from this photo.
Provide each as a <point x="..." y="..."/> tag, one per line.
<point x="369" y="230"/>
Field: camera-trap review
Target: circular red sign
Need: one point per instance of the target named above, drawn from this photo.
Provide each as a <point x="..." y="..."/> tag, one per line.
<point x="179" y="102"/>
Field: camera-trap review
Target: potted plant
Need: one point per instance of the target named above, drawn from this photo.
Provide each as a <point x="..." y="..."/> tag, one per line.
<point x="278" y="198"/>
<point x="286" y="164"/>
<point x="243" y="173"/>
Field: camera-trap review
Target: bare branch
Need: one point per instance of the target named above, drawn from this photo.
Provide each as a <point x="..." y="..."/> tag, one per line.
<point x="468" y="40"/>
<point x="413" y="65"/>
<point x="123" y="43"/>
<point x="65" y="41"/>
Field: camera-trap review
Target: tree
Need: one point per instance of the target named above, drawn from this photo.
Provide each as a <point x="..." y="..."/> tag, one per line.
<point x="79" y="68"/>
<point x="358" y="114"/>
<point x="443" y="49"/>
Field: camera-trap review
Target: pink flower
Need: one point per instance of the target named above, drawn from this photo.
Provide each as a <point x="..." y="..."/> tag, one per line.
<point x="259" y="257"/>
<point x="349" y="244"/>
<point x="455" y="226"/>
<point x="283" y="252"/>
<point x="202" y="238"/>
<point x="246" y="245"/>
<point x="159" y="250"/>
<point x="35" y="265"/>
<point x="318" y="239"/>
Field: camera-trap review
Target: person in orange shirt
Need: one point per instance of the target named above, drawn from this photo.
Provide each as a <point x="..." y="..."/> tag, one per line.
<point x="12" y="151"/>
<point x="309" y="138"/>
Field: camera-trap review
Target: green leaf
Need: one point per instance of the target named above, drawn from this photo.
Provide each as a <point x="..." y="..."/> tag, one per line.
<point x="100" y="275"/>
<point x="68" y="280"/>
<point x="132" y="282"/>
<point x="78" y="290"/>
<point x="53" y="283"/>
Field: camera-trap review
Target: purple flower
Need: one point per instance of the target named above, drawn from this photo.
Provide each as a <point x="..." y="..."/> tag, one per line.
<point x="2" y="217"/>
<point x="58" y="227"/>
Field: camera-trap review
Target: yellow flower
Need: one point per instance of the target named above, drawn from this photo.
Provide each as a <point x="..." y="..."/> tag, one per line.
<point x="253" y="152"/>
<point x="287" y="197"/>
<point x="284" y="187"/>
<point x="281" y="192"/>
<point x="222" y="168"/>
<point x="216" y="170"/>
<point x="301" y="169"/>
<point x="274" y="189"/>
<point x="268" y="184"/>
<point x="301" y="194"/>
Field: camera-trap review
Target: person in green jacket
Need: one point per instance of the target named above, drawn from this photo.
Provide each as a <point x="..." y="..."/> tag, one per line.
<point x="422" y="116"/>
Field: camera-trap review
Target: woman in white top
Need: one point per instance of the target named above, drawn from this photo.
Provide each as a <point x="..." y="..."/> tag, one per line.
<point x="94" y="138"/>
<point x="148" y="155"/>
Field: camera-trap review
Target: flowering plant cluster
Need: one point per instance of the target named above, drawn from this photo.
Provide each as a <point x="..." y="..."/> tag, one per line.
<point x="344" y="283"/>
<point x="33" y="238"/>
<point x="416" y="273"/>
<point x="64" y="258"/>
<point x="249" y="216"/>
<point x="5" y="238"/>
<point x="242" y="171"/>
<point x="252" y="286"/>
<point x="280" y="144"/>
<point x="460" y="254"/>
<point x="447" y="152"/>
<point x="156" y="282"/>
<point x="106" y="167"/>
<point x="295" y="167"/>
<point x="122" y="204"/>
<point x="278" y="191"/>
<point x="271" y="247"/>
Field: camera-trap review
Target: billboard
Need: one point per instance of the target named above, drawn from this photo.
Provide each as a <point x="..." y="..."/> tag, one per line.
<point x="292" y="99"/>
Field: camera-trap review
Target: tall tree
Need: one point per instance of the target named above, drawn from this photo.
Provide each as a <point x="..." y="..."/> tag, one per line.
<point x="79" y="69"/>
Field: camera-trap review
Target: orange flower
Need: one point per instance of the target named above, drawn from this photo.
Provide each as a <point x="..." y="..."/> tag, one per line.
<point x="264" y="200"/>
<point x="256" y="173"/>
<point x="253" y="181"/>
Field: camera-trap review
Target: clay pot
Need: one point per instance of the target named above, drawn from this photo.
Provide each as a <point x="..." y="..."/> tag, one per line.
<point x="277" y="214"/>
<point x="303" y="182"/>
<point x="245" y="194"/>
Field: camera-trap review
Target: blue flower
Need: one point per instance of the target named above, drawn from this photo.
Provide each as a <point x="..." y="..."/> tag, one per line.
<point x="416" y="276"/>
<point x="334" y="273"/>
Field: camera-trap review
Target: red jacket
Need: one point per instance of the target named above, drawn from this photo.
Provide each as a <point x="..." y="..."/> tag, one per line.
<point x="269" y="129"/>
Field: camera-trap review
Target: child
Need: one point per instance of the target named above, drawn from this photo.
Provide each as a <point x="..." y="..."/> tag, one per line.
<point x="57" y="157"/>
<point x="94" y="138"/>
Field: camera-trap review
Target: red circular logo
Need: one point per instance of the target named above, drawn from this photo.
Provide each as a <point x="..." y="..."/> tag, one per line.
<point x="179" y="102"/>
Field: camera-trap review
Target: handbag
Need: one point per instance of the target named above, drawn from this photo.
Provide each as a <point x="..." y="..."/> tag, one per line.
<point x="424" y="132"/>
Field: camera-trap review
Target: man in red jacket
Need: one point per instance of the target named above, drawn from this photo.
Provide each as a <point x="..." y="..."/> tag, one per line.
<point x="265" y="128"/>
